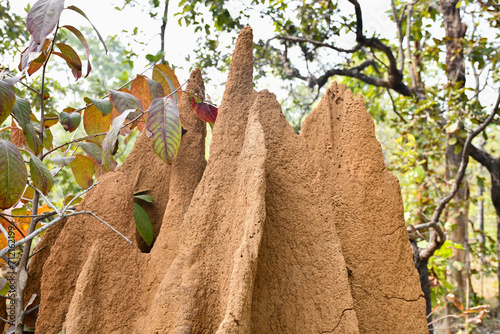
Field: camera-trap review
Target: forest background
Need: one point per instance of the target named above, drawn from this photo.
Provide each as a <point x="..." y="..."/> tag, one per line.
<point x="428" y="71"/>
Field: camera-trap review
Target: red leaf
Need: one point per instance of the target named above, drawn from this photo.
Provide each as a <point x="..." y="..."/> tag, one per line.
<point x="205" y="111"/>
<point x="17" y="135"/>
<point x="140" y="89"/>
<point x="166" y="77"/>
<point x="35" y="60"/>
<point x="7" y="97"/>
<point x="79" y="11"/>
<point x="82" y="39"/>
<point x="72" y="59"/>
<point x="123" y="100"/>
<point x="13" y="174"/>
<point x="41" y="20"/>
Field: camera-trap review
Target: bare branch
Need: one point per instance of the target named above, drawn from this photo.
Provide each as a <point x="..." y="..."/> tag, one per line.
<point x="400" y="35"/>
<point x="394" y="106"/>
<point x="79" y="195"/>
<point x="411" y="65"/>
<point x="434" y="223"/>
<point x="317" y="43"/>
<point x="394" y="81"/>
<point x="30" y="236"/>
<point x="483" y="157"/>
<point x="49" y="203"/>
<point x="162" y="31"/>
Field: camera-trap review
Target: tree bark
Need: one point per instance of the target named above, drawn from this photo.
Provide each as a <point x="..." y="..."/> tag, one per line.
<point x="492" y="164"/>
<point x="423" y="272"/>
<point x="455" y="70"/>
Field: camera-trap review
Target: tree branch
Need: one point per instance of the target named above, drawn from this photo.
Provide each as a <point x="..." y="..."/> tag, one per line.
<point x="297" y="39"/>
<point x="483" y="157"/>
<point x="400" y="35"/>
<point x="394" y="81"/>
<point x="434" y="223"/>
<point x="162" y="31"/>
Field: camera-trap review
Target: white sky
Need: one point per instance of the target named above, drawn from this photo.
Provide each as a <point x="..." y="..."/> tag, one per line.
<point x="180" y="41"/>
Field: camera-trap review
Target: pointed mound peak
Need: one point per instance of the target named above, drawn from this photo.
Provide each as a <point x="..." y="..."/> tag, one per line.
<point x="241" y="69"/>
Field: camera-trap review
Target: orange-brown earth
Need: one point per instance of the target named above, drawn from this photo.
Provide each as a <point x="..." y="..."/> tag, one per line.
<point x="276" y="233"/>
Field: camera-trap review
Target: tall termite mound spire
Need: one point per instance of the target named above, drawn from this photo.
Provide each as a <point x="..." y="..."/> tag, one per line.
<point x="276" y="233"/>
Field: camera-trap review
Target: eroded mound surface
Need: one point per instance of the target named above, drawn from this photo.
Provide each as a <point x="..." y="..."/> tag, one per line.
<point x="277" y="233"/>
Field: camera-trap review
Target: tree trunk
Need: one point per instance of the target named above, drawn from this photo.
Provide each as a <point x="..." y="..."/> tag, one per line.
<point x="493" y="166"/>
<point x="455" y="68"/>
<point x="423" y="272"/>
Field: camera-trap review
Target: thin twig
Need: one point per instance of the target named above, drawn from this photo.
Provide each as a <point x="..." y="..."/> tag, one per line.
<point x="434" y="223"/>
<point x="38" y="251"/>
<point x="12" y="224"/>
<point x="30" y="236"/>
<point x="7" y="321"/>
<point x="400" y="34"/>
<point x="33" y="309"/>
<point x="394" y="107"/>
<point x="49" y="203"/>
<point x="111" y="227"/>
<point x="79" y="195"/>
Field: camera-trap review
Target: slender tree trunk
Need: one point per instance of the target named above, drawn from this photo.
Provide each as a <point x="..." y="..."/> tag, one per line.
<point x="455" y="68"/>
<point x="162" y="31"/>
<point x="423" y="272"/>
<point x="493" y="166"/>
<point x="480" y="226"/>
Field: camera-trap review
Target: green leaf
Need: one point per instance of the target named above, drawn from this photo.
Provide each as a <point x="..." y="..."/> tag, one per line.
<point x="5" y="286"/>
<point x="22" y="211"/>
<point x="47" y="139"/>
<point x="13" y="174"/>
<point x="147" y="198"/>
<point x="82" y="39"/>
<point x="70" y="121"/>
<point x="109" y="142"/>
<point x="143" y="224"/>
<point x="92" y="150"/>
<point x="22" y="111"/>
<point x="420" y="172"/>
<point x="452" y="141"/>
<point x="40" y="175"/>
<point x="103" y="105"/>
<point x="83" y="171"/>
<point x="42" y="19"/>
<point x="62" y="161"/>
<point x="452" y="127"/>
<point x="7" y="98"/>
<point x="141" y="192"/>
<point x="155" y="89"/>
<point x="79" y="11"/>
<point x="72" y="59"/>
<point x="164" y="128"/>
<point x="125" y="101"/>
